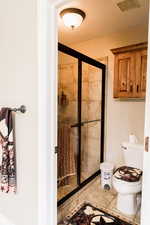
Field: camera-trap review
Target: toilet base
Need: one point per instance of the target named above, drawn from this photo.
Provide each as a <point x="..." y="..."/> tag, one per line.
<point x="127" y="203"/>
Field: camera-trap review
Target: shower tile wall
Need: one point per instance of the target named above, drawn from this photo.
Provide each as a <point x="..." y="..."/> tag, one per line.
<point x="67" y="115"/>
<point x="68" y="85"/>
<point x="91" y="105"/>
<point x="68" y="82"/>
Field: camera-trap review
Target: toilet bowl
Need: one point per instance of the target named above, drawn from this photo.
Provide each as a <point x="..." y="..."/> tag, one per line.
<point x="127" y="195"/>
<point x="127" y="180"/>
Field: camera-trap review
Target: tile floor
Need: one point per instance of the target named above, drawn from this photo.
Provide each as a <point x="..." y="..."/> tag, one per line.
<point x="95" y="195"/>
<point x="66" y="189"/>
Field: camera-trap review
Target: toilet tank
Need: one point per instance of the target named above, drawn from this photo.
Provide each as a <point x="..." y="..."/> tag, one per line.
<point x="133" y="154"/>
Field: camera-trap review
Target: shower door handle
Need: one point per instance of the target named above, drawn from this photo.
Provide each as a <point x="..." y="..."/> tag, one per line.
<point x="85" y="122"/>
<point x="77" y="125"/>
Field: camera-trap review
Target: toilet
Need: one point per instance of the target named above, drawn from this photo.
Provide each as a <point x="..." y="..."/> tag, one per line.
<point x="127" y="179"/>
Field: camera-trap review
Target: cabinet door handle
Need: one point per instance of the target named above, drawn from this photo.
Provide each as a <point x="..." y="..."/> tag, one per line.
<point x="137" y="88"/>
<point x="131" y="88"/>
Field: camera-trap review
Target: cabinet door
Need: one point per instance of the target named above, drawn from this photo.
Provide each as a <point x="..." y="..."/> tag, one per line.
<point x="141" y="70"/>
<point x="124" y="75"/>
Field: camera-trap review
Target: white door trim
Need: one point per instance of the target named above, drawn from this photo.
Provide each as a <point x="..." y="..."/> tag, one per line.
<point x="145" y="212"/>
<point x="47" y="98"/>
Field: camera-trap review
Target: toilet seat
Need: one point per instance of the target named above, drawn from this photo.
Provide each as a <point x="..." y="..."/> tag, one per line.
<point x="128" y="174"/>
<point x="130" y="184"/>
<point x="125" y="187"/>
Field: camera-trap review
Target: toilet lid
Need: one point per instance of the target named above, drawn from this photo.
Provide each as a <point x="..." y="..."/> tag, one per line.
<point x="129" y="174"/>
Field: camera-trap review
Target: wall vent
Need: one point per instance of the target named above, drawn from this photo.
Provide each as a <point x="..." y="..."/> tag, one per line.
<point x="128" y="5"/>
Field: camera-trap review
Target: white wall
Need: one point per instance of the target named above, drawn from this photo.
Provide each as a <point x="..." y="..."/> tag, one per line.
<point x="122" y="117"/>
<point x="18" y="73"/>
<point x="18" y="85"/>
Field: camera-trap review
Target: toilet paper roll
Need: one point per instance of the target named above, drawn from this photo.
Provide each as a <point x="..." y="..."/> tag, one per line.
<point x="133" y="139"/>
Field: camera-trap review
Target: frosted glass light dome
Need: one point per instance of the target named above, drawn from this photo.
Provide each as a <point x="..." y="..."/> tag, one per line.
<point x="72" y="17"/>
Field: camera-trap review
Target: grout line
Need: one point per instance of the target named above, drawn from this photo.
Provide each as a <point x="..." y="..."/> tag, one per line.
<point x="100" y="200"/>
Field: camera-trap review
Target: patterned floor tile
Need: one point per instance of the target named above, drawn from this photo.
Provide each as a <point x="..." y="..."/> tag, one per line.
<point x="95" y="195"/>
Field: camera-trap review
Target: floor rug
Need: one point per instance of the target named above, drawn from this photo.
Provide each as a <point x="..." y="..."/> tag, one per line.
<point x="89" y="215"/>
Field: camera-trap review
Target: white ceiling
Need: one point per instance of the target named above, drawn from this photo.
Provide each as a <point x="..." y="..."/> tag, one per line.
<point x="102" y="18"/>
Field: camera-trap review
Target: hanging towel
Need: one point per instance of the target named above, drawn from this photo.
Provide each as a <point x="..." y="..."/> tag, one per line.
<point x="7" y="152"/>
<point x="66" y="153"/>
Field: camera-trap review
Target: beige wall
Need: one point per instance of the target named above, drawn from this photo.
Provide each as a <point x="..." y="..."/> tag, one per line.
<point x="122" y="117"/>
<point x="18" y="85"/>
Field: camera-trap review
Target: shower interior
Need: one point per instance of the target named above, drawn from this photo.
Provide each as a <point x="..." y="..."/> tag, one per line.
<point x="81" y="96"/>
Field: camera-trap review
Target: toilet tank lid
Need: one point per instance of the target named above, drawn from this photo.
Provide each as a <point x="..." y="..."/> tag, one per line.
<point x="127" y="145"/>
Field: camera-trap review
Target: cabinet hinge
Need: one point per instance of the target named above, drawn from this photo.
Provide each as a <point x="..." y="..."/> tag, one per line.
<point x="56" y="149"/>
<point x="146" y="144"/>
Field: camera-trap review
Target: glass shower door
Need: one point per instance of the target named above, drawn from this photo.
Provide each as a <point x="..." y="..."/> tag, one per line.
<point x="91" y="99"/>
<point x="67" y="117"/>
<point x="81" y="103"/>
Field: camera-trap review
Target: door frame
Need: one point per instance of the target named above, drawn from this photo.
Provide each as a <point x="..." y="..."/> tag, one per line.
<point x="47" y="39"/>
<point x="47" y="32"/>
<point x="146" y="163"/>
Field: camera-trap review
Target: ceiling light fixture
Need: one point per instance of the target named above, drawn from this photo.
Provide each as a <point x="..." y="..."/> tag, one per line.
<point x="72" y="17"/>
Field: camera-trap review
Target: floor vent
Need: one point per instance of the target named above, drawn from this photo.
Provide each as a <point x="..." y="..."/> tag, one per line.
<point x="128" y="5"/>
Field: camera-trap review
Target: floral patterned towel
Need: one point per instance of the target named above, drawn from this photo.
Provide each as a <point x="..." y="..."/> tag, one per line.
<point x="128" y="174"/>
<point x="89" y="215"/>
<point x="7" y="152"/>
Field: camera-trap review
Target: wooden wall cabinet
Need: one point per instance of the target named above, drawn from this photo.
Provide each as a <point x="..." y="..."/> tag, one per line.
<point x="130" y="71"/>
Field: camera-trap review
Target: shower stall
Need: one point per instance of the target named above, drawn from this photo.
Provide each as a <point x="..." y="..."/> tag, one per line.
<point x="81" y="111"/>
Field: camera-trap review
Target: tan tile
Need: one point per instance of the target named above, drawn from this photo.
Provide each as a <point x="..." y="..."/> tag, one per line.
<point x="112" y="208"/>
<point x="93" y="193"/>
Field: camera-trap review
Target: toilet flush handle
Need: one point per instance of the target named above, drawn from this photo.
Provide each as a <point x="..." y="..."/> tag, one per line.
<point x="146" y="144"/>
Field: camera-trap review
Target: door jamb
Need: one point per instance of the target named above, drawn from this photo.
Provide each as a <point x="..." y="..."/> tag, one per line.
<point x="47" y="39"/>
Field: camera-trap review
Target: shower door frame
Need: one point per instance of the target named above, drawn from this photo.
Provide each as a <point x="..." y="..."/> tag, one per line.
<point x="83" y="58"/>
